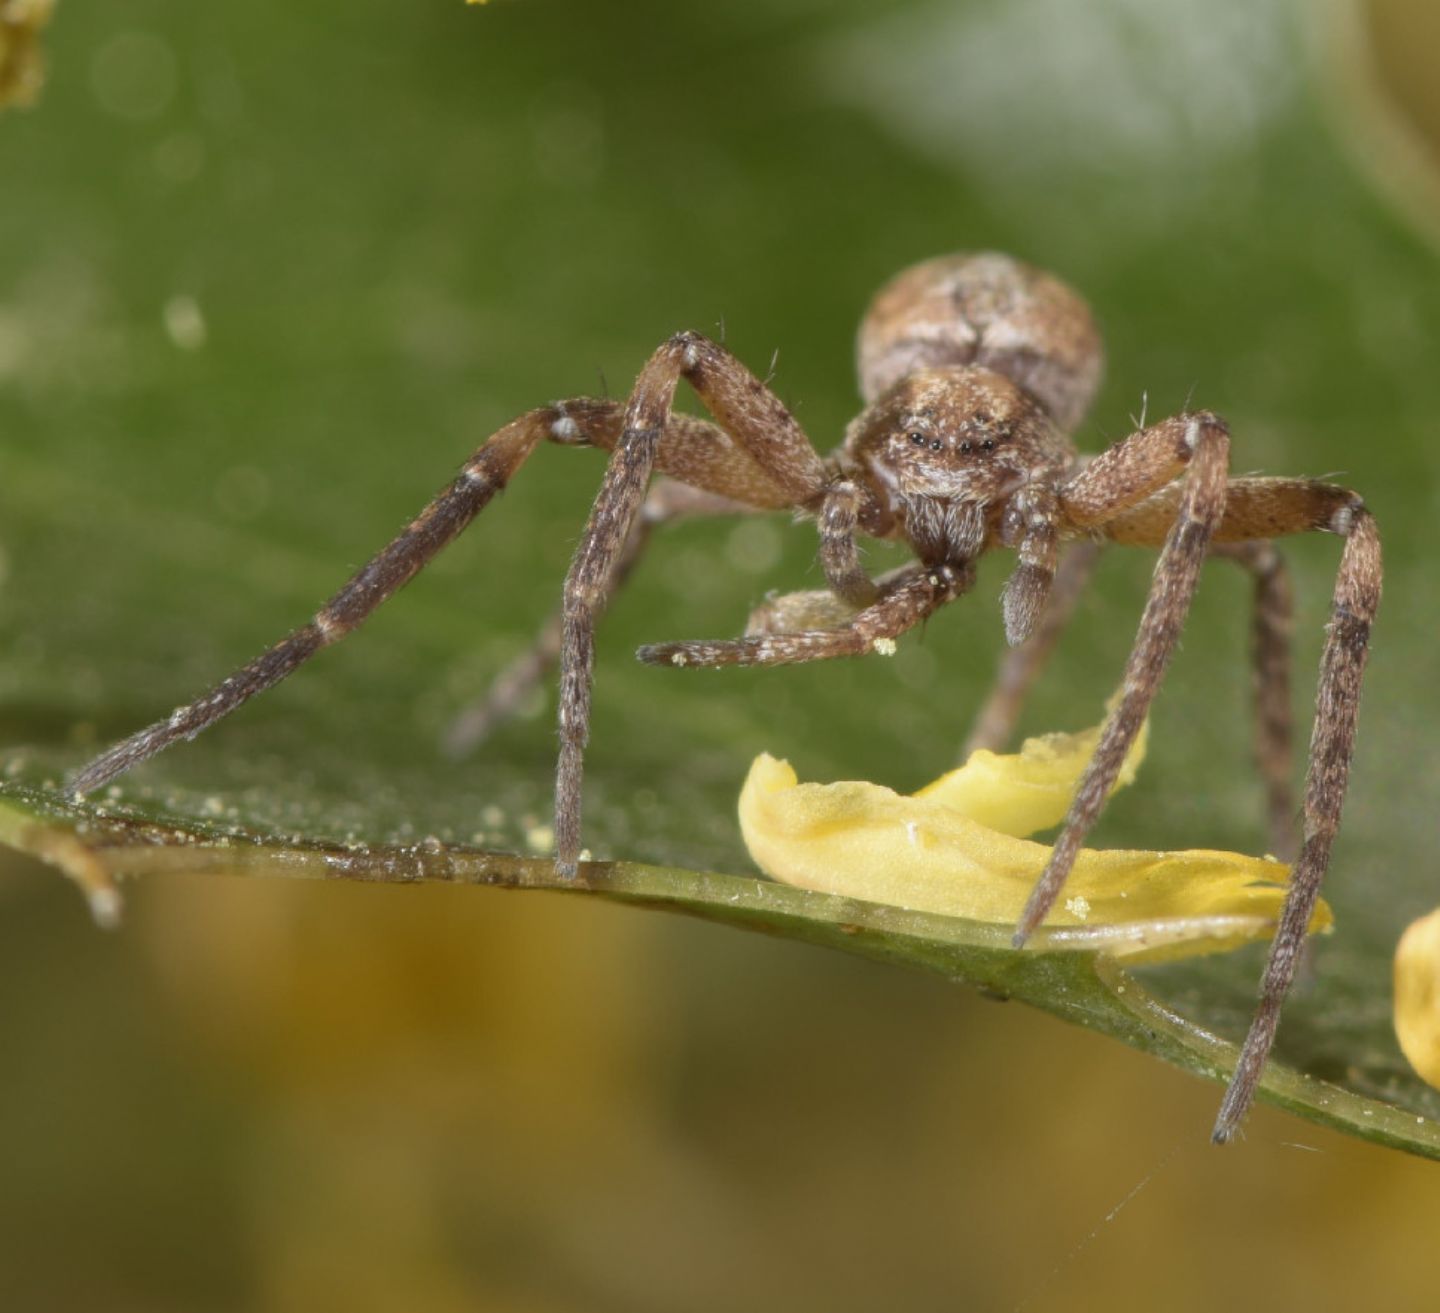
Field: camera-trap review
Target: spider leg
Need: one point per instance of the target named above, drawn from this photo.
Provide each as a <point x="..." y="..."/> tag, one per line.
<point x="452" y="509"/>
<point x="906" y="598"/>
<point x="1272" y="618"/>
<point x="701" y="449"/>
<point x="758" y="455"/>
<point x="1332" y="745"/>
<point x="667" y="501"/>
<point x="1202" y="442"/>
<point x="1270" y="631"/>
<point x="1256" y="511"/>
<point x="1262" y="508"/>
<point x="783" y="462"/>
<point x="1021" y="666"/>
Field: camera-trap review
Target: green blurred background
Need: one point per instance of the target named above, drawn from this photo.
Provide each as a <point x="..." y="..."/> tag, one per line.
<point x="268" y="272"/>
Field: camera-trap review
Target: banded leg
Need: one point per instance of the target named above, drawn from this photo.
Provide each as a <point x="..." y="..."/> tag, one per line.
<point x="1021" y="666"/>
<point x="705" y="453"/>
<point x="1272" y="620"/>
<point x="1256" y="511"/>
<point x="1263" y="508"/>
<point x="1332" y="745"/>
<point x="907" y="597"/>
<point x="1271" y="625"/>
<point x="1202" y="442"/>
<point x="667" y="501"/>
<point x="485" y="474"/>
<point x="757" y="423"/>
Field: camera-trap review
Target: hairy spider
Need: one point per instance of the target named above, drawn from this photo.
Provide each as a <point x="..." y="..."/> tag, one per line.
<point x="974" y="368"/>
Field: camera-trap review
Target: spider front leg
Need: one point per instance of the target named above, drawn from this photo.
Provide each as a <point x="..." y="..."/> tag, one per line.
<point x="1116" y="480"/>
<point x="1271" y="618"/>
<point x="447" y="515"/>
<point x="1332" y="745"/>
<point x="1258" y="509"/>
<point x="780" y="462"/>
<point x="758" y="456"/>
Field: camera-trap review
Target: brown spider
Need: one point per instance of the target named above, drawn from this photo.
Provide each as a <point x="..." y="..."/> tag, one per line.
<point x="974" y="368"/>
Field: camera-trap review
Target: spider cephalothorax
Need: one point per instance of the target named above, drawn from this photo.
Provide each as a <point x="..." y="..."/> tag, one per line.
<point x="974" y="370"/>
<point x="942" y="451"/>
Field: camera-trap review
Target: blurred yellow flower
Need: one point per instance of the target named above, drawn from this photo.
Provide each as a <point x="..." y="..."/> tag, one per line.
<point x="21" y="67"/>
<point x="958" y="848"/>
<point x="1417" y="996"/>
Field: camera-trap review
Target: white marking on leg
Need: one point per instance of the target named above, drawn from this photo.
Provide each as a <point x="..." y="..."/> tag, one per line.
<point x="1343" y="521"/>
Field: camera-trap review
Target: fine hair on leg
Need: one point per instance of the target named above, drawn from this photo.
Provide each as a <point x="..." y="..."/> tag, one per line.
<point x="1272" y="622"/>
<point x="1206" y="447"/>
<point x="447" y="515"/>
<point x="783" y="463"/>
<point x="1332" y="745"/>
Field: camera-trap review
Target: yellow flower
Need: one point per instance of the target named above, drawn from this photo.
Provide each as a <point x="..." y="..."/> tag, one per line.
<point x="1417" y="996"/>
<point x="958" y="848"/>
<point x="22" y="69"/>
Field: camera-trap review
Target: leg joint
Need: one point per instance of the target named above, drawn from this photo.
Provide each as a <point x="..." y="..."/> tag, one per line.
<point x="1200" y="422"/>
<point x="582" y="596"/>
<point x="329" y="627"/>
<point x="688" y="345"/>
<point x="1345" y="518"/>
<point x="565" y="430"/>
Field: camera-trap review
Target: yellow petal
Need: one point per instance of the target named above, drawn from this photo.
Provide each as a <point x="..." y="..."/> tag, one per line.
<point x="1417" y="996"/>
<point x="929" y="853"/>
<point x="1030" y="790"/>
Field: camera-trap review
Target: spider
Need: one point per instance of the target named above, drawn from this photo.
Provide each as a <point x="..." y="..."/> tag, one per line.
<point x="974" y="369"/>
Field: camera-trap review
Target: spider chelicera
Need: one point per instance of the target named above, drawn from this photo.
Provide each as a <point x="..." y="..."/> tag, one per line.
<point x="974" y="369"/>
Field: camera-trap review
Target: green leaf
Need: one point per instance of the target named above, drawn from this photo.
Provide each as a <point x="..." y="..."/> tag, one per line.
<point x="1084" y="988"/>
<point x="246" y="329"/>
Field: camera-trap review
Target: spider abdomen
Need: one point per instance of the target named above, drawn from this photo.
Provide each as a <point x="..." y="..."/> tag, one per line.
<point x="985" y="309"/>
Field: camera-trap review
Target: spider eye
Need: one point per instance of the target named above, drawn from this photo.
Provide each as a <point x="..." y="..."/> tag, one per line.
<point x="918" y="439"/>
<point x="988" y="445"/>
<point x="937" y="445"/>
<point x="965" y="448"/>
